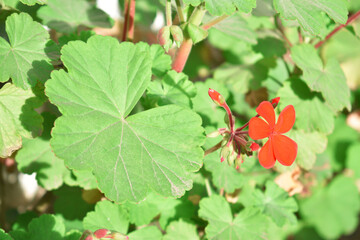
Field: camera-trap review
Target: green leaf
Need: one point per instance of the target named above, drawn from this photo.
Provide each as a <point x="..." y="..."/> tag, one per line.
<point x="270" y="47"/>
<point x="248" y="224"/>
<point x="83" y="36"/>
<point x="46" y="227"/>
<point x="194" y="32"/>
<point x="4" y="235"/>
<point x="275" y="203"/>
<point x="175" y="88"/>
<point x="95" y="132"/>
<point x="161" y="62"/>
<point x="36" y="156"/>
<point x="33" y="2"/>
<point x="309" y="13"/>
<point x="73" y="235"/>
<point x="66" y="15"/>
<point x="309" y="144"/>
<point x="193" y="2"/>
<point x="24" y="59"/>
<point x="82" y="178"/>
<point x="146" y="233"/>
<point x="223" y="175"/>
<point x="333" y="210"/>
<point x="70" y="204"/>
<point x="107" y="215"/>
<point x="329" y="80"/>
<point x="352" y="161"/>
<point x="181" y="230"/>
<point x="17" y="118"/>
<point x="233" y="28"/>
<point x="220" y="7"/>
<point x="311" y="112"/>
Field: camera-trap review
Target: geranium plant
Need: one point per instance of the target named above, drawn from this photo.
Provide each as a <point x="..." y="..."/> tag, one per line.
<point x="179" y="119"/>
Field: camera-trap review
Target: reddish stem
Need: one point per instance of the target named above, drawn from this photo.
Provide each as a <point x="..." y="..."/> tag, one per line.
<point x="338" y="28"/>
<point x="182" y="55"/>
<point x="129" y="15"/>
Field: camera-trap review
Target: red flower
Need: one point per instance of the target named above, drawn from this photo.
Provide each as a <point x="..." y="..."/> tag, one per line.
<point x="278" y="147"/>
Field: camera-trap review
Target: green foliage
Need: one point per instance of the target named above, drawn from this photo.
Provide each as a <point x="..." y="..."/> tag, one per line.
<point x="248" y="224"/>
<point x="25" y="55"/>
<point x="181" y="230"/>
<point x="66" y="15"/>
<point x="333" y="210"/>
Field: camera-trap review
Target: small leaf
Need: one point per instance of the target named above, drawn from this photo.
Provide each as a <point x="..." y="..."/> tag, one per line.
<point x="66" y="15"/>
<point x="223" y="175"/>
<point x="161" y="62"/>
<point x="107" y="215"/>
<point x="248" y="224"/>
<point x="17" y="118"/>
<point x="275" y="203"/>
<point x="311" y="112"/>
<point x="333" y="210"/>
<point x="329" y="80"/>
<point x="46" y="227"/>
<point x="194" y="32"/>
<point x="175" y="88"/>
<point x="309" y="13"/>
<point x="181" y="230"/>
<point x="4" y="235"/>
<point x="25" y="58"/>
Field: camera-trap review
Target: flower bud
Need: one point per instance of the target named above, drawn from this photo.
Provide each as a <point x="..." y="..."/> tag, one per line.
<point x="275" y="101"/>
<point x="100" y="233"/>
<point x="254" y="146"/>
<point x="213" y="134"/>
<point x="164" y="38"/>
<point x="177" y="34"/>
<point x="216" y="97"/>
<point x="225" y="152"/>
<point x="90" y="237"/>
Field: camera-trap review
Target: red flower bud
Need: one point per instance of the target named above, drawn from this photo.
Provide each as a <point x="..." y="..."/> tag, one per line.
<point x="254" y="146"/>
<point x="216" y="97"/>
<point x="100" y="233"/>
<point x="89" y="238"/>
<point x="164" y="38"/>
<point x="275" y="101"/>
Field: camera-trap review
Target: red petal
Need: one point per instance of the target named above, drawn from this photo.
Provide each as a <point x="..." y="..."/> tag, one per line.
<point x="266" y="110"/>
<point x="258" y="128"/>
<point x="285" y="149"/>
<point x="286" y="119"/>
<point x="266" y="155"/>
<point x="216" y="97"/>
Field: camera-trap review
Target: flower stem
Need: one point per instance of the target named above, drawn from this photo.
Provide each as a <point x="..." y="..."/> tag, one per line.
<point x="180" y="11"/>
<point x="208" y="25"/>
<point x="129" y="15"/>
<point x="208" y="187"/>
<point x="184" y="51"/>
<point x="168" y="13"/>
<point x="213" y="148"/>
<point x="338" y="28"/>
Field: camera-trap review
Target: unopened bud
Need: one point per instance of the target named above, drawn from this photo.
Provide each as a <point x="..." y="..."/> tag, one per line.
<point x="254" y="146"/>
<point x="89" y="238"/>
<point x="214" y="134"/>
<point x="100" y="233"/>
<point x="225" y="152"/>
<point x="164" y="38"/>
<point x="275" y="101"/>
<point x="238" y="161"/>
<point x="216" y="97"/>
<point x="177" y="34"/>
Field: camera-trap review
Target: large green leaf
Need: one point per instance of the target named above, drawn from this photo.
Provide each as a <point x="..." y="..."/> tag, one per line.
<point x="107" y="215"/>
<point x="311" y="112"/>
<point x="333" y="210"/>
<point x="146" y="233"/>
<point x="24" y="59"/>
<point x="275" y="203"/>
<point x="220" y="7"/>
<point x="248" y="224"/>
<point x="66" y="15"/>
<point x="17" y="118"/>
<point x="46" y="227"/>
<point x="155" y="149"/>
<point x="309" y="12"/>
<point x="223" y="175"/>
<point x="329" y="80"/>
<point x="309" y="144"/>
<point x="352" y="161"/>
<point x="181" y="230"/>
<point x="4" y="235"/>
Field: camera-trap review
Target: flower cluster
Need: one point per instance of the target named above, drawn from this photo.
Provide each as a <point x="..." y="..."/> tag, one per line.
<point x="236" y="143"/>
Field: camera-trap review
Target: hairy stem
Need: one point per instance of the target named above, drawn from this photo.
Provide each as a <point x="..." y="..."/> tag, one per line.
<point x="183" y="52"/>
<point x="180" y="11"/>
<point x="338" y="28"/>
<point x="213" y="22"/>
<point x="129" y="15"/>
<point x="213" y="148"/>
<point x="168" y="13"/>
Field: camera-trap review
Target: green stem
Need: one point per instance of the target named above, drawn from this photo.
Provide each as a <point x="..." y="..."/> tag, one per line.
<point x="180" y="11"/>
<point x="168" y="13"/>
<point x="213" y="22"/>
<point x="208" y="187"/>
